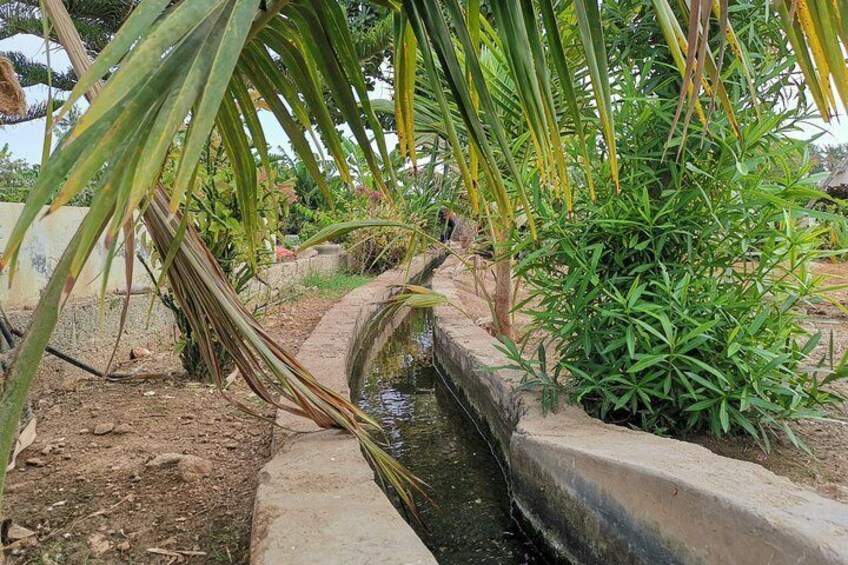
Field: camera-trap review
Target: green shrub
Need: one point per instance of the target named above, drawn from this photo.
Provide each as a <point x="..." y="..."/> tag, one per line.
<point x="369" y="250"/>
<point x="18" y="177"/>
<point x="376" y="250"/>
<point x="672" y="307"/>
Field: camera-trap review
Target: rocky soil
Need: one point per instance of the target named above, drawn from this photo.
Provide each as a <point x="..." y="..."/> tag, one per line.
<point x="158" y="471"/>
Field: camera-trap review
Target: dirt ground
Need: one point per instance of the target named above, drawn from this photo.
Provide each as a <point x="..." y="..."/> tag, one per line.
<point x="826" y="470"/>
<point x="91" y="498"/>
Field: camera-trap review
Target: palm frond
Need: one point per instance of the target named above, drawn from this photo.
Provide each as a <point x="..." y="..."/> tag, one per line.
<point x="217" y="315"/>
<point x="172" y="65"/>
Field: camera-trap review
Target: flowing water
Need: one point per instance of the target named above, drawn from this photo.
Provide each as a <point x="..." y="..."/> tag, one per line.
<point x="469" y="519"/>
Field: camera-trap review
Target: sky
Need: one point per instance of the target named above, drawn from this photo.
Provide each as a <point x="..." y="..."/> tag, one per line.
<point x="26" y="140"/>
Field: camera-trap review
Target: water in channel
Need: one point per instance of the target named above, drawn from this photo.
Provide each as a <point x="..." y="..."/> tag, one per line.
<point x="428" y="430"/>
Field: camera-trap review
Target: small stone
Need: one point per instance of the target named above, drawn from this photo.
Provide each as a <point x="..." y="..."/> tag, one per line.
<point x="16" y="532"/>
<point x="123" y="429"/>
<point x="98" y="544"/>
<point x="192" y="468"/>
<point x="71" y="384"/>
<point x="47" y="450"/>
<point x="124" y="546"/>
<point x="103" y="429"/>
<point x="85" y="431"/>
<point x="35" y="462"/>
<point x="164" y="459"/>
<point x="189" y="467"/>
<point x="139" y="352"/>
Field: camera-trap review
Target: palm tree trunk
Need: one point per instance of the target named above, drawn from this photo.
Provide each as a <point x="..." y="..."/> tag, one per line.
<point x="503" y="288"/>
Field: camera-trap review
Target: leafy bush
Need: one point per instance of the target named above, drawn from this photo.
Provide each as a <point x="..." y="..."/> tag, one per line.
<point x="369" y="250"/>
<point x="376" y="250"/>
<point x="672" y="307"/>
<point x="373" y="250"/>
<point x="537" y="375"/>
<point x="17" y="177"/>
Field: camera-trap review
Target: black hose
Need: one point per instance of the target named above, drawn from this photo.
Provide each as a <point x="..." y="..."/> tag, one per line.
<point x="9" y="332"/>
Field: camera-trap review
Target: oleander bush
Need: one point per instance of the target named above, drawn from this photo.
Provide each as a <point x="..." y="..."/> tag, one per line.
<point x="673" y="307"/>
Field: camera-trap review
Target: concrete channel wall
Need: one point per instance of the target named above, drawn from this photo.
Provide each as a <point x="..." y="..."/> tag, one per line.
<point x="317" y="501"/>
<point x="599" y="493"/>
<point x="86" y="329"/>
<point x="40" y="251"/>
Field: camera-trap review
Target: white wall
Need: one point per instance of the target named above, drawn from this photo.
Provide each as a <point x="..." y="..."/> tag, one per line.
<point x="41" y="250"/>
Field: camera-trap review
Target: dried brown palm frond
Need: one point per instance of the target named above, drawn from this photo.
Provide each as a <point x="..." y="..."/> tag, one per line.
<point x="12" y="98"/>
<point x="217" y="315"/>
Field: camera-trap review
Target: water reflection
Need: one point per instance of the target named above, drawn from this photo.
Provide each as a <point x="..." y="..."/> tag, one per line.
<point x="427" y="430"/>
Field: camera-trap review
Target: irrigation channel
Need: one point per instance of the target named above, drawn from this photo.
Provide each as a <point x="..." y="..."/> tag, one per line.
<point x="470" y="518"/>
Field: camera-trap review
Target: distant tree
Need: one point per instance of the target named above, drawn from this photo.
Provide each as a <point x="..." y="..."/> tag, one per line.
<point x="17" y="177"/>
<point x="825" y="158"/>
<point x="98" y="20"/>
<point x="371" y="31"/>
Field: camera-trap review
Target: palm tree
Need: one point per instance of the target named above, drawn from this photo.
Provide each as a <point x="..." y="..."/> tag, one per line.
<point x="194" y="64"/>
<point x="97" y="21"/>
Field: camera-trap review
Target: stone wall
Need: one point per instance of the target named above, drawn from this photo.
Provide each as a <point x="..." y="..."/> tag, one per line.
<point x="282" y="275"/>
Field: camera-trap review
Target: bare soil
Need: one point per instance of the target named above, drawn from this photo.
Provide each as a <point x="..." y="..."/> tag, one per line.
<point x="91" y="499"/>
<point x="825" y="468"/>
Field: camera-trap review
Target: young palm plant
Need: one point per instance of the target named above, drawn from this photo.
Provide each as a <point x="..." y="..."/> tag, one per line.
<point x="513" y="92"/>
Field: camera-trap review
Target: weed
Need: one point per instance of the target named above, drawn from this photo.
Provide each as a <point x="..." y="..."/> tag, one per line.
<point x="335" y="285"/>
